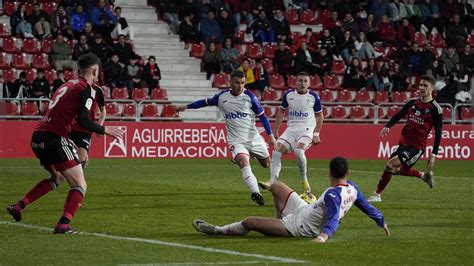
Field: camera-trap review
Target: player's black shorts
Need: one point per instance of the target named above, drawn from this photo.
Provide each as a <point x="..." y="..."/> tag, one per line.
<point x="81" y="139"/>
<point x="408" y="156"/>
<point x="53" y="151"/>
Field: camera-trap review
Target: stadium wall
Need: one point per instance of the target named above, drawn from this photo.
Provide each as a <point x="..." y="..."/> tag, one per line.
<point x="207" y="140"/>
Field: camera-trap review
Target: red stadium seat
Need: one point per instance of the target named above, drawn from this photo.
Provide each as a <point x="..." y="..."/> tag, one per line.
<point x="338" y="112"/>
<point x="112" y="109"/>
<point x="31" y="46"/>
<point x="326" y="112"/>
<point x="344" y="96"/>
<point x="221" y="81"/>
<point x="29" y="108"/>
<point x="120" y="93"/>
<point x="437" y="40"/>
<point x="326" y="95"/>
<point x="140" y="94"/>
<point x="8" y="108"/>
<point x="292" y="81"/>
<point x="332" y="83"/>
<point x="10" y="75"/>
<point x="362" y="96"/>
<point x="150" y="110"/>
<point x="420" y="39"/>
<point x="380" y="113"/>
<point x="69" y="74"/>
<point x="466" y="113"/>
<point x="20" y="61"/>
<point x="381" y="97"/>
<point x="315" y="82"/>
<point x="391" y="111"/>
<point x="277" y="82"/>
<point x="295" y="35"/>
<point x="129" y="110"/>
<point x="197" y="50"/>
<point x="292" y="17"/>
<point x="159" y="94"/>
<point x="268" y="65"/>
<point x="470" y="40"/>
<point x="106" y="92"/>
<point x="11" y="46"/>
<point x="390" y="52"/>
<point x="4" y="62"/>
<point x="71" y="43"/>
<point x="323" y="17"/>
<point x="169" y="110"/>
<point x="4" y="32"/>
<point x="29" y="8"/>
<point x="239" y="36"/>
<point x="307" y="17"/>
<point x="9" y="8"/>
<point x="399" y="97"/>
<point x="46" y="46"/>
<point x="270" y="95"/>
<point x="269" y="111"/>
<point x="447" y="114"/>
<point x="50" y="75"/>
<point x="357" y="112"/>
<point x="338" y="67"/>
<point x="269" y="51"/>
<point x="50" y="7"/>
<point x="40" y="61"/>
<point x="30" y="74"/>
<point x="254" y="51"/>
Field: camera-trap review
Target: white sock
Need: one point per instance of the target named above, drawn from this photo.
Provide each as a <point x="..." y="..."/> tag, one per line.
<point x="234" y="229"/>
<point x="275" y="166"/>
<point x="301" y="162"/>
<point x="250" y="179"/>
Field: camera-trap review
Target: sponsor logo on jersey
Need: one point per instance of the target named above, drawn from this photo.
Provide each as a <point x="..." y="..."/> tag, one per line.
<point x="298" y="114"/>
<point x="116" y="147"/>
<point x="235" y="115"/>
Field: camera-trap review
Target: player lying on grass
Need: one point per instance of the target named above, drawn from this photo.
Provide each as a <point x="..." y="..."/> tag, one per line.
<point x="296" y="218"/>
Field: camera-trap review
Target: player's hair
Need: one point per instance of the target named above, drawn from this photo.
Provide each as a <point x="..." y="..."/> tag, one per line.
<point x="302" y="73"/>
<point x="237" y="74"/>
<point x="338" y="167"/>
<point x="430" y="79"/>
<point x="86" y="61"/>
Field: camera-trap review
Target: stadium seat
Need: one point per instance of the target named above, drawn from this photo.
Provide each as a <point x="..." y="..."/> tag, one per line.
<point x="112" y="109"/>
<point x="380" y="113"/>
<point x="20" y="61"/>
<point x="239" y="36"/>
<point x="29" y="108"/>
<point x="391" y="111"/>
<point x="362" y="96"/>
<point x="292" y="17"/>
<point x="169" y="111"/>
<point x="292" y="81"/>
<point x="268" y="65"/>
<point x="71" y="43"/>
<point x="11" y="46"/>
<point x="270" y="95"/>
<point x="332" y="83"/>
<point x="197" y="50"/>
<point x="277" y="82"/>
<point x="338" y="67"/>
<point x="326" y="112"/>
<point x="31" y="46"/>
<point x="338" y="112"/>
<point x="31" y="74"/>
<point x="399" y="97"/>
<point x="357" y="112"/>
<point x="28" y="8"/>
<point x="344" y="96"/>
<point x="269" y="51"/>
<point x="50" y="75"/>
<point x="159" y="94"/>
<point x="470" y="40"/>
<point x="221" y="81"/>
<point x="413" y="94"/>
<point x="447" y="114"/>
<point x="106" y="92"/>
<point x="315" y="82"/>
<point x="69" y="74"/>
<point x="269" y="111"/>
<point x="307" y="17"/>
<point x="150" y="110"/>
<point x="40" y="61"/>
<point x="140" y="94"/>
<point x="4" y="32"/>
<point x="380" y="97"/>
<point x="50" y="7"/>
<point x="437" y="40"/>
<point x="129" y="110"/>
<point x="390" y="52"/>
<point x="120" y="93"/>
<point x="46" y="46"/>
<point x="8" y="108"/>
<point x="9" y="8"/>
<point x="420" y="39"/>
<point x="254" y="51"/>
<point x="323" y="17"/>
<point x="44" y="106"/>
<point x="4" y="62"/>
<point x="326" y="95"/>
<point x="466" y="113"/>
<point x="10" y="75"/>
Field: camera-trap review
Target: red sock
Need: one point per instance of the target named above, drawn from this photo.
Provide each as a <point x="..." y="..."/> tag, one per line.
<point x="73" y="203"/>
<point x="410" y="172"/>
<point x="41" y="189"/>
<point x="384" y="180"/>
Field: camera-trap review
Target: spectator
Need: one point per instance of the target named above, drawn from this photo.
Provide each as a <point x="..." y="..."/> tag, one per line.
<point x="61" y="54"/>
<point x="89" y="33"/>
<point x="381" y="8"/>
<point x="310" y="38"/>
<point x="169" y="12"/>
<point x="414" y="14"/>
<point x="347" y="47"/>
<point x="103" y="20"/>
<point x="114" y="75"/>
<point x="151" y="74"/>
<point x="100" y="48"/>
<point x="123" y="49"/>
<point x="413" y="61"/>
<point x="82" y="47"/>
<point x="122" y="27"/>
<point x="305" y="60"/>
<point x="466" y="13"/>
<point x="281" y="27"/>
<point x="41" y="87"/>
<point x="437" y="70"/>
<point x="211" y="60"/>
<point x="229" y="56"/>
<point x="133" y="74"/>
<point x="58" y="82"/>
<point x="20" y="87"/>
<point x="226" y="24"/>
<point x="261" y="29"/>
<point x="467" y="59"/>
<point x="241" y="9"/>
<point x="209" y="28"/>
<point x="364" y="49"/>
<point x="371" y="75"/>
<point x="384" y="74"/>
<point x="354" y="76"/>
<point x="456" y="33"/>
<point x="369" y="27"/>
<point x="351" y="25"/>
<point x="204" y="6"/>
<point x="405" y="34"/>
<point x="449" y="9"/>
<point x="79" y="18"/>
<point x="188" y="31"/>
<point x="460" y="77"/>
<point x="19" y="22"/>
<point x="323" y="63"/>
<point x="328" y="42"/>
<point x="283" y="60"/>
<point x="386" y="32"/>
<point x="60" y="23"/>
<point x="450" y="58"/>
<point x="249" y="77"/>
<point x="40" y="22"/>
<point x="262" y="80"/>
<point x="398" y="78"/>
<point x="427" y="57"/>
<point x="188" y="7"/>
<point x="399" y="12"/>
<point x="431" y="16"/>
<point x="4" y="87"/>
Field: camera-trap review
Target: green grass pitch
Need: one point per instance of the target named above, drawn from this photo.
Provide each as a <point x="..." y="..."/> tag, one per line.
<point x="140" y="212"/>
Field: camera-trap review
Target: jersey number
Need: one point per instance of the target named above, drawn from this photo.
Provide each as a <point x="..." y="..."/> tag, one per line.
<point x="61" y="93"/>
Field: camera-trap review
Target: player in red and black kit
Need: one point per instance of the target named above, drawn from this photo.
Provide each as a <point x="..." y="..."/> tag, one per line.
<point x="51" y="145"/>
<point x="83" y="137"/>
<point x="422" y="114"/>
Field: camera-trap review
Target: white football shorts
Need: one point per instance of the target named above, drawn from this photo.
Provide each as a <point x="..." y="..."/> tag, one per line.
<point x="256" y="148"/>
<point x="291" y="137"/>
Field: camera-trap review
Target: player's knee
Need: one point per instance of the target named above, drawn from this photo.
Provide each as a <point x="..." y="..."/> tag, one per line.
<point x="266" y="163"/>
<point x="53" y="182"/>
<point x="249" y="223"/>
<point x="85" y="163"/>
<point x="276" y="155"/>
<point x="299" y="152"/>
<point x="80" y="188"/>
<point x="276" y="187"/>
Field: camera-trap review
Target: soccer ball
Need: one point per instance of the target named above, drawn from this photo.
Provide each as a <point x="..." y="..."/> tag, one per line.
<point x="308" y="197"/>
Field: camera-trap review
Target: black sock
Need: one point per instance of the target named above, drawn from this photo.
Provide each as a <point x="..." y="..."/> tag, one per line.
<point x="22" y="204"/>
<point x="64" y="220"/>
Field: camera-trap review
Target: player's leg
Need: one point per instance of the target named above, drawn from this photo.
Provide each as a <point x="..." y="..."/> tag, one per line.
<point x="303" y="144"/>
<point x="408" y="159"/>
<point x="391" y="166"/>
<point x="280" y="193"/>
<point x="241" y="157"/>
<point x="266" y="226"/>
<point x="275" y="166"/>
<point x="83" y="156"/>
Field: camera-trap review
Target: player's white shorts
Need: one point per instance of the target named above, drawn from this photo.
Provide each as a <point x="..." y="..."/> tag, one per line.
<point x="291" y="137"/>
<point x="256" y="148"/>
<point x="292" y="221"/>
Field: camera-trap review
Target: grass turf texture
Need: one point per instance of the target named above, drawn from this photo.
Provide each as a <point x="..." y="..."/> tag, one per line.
<point x="158" y="199"/>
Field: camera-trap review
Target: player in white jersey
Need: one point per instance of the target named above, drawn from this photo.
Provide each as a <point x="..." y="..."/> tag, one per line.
<point x="296" y="218"/>
<point x="305" y="119"/>
<point x="239" y="108"/>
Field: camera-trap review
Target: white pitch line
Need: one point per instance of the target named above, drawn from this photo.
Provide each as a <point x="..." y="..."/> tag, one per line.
<point x="200" y="263"/>
<point x="163" y="243"/>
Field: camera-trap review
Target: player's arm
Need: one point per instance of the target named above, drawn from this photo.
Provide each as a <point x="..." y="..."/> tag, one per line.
<point x="397" y="117"/>
<point x="281" y="114"/>
<point x="101" y="103"/>
<point x="370" y="210"/>
<point x="438" y="128"/>
<point x="211" y="101"/>
<point x="332" y="201"/>
<point x="318" y="114"/>
<point x="258" y="110"/>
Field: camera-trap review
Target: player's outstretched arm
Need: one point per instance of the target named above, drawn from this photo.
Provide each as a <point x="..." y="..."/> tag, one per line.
<point x="114" y="131"/>
<point x="438" y="128"/>
<point x="181" y="108"/>
<point x="321" y="238"/>
<point x="279" y="119"/>
<point x="385" y="228"/>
